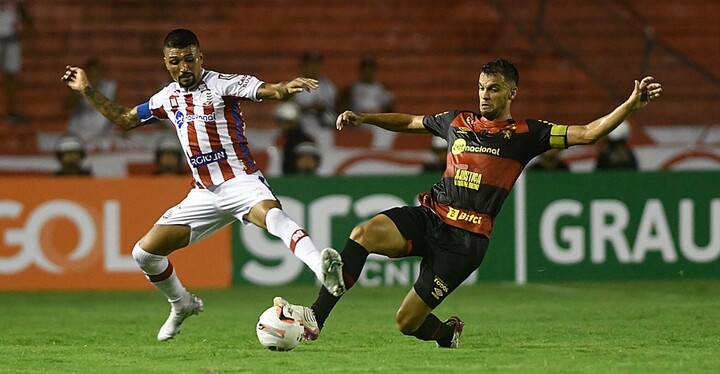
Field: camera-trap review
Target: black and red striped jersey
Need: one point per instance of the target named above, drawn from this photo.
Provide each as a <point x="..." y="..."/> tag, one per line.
<point x="484" y="160"/>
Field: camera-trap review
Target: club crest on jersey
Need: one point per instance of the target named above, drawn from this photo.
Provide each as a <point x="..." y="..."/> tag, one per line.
<point x="469" y="120"/>
<point x="174" y="102"/>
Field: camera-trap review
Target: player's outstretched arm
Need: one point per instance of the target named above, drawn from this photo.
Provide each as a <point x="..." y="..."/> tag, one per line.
<point x="398" y="122"/>
<point x="117" y="113"/>
<point x="282" y="90"/>
<point x="644" y="91"/>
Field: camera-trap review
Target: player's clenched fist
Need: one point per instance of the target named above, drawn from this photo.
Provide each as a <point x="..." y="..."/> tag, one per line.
<point x="348" y="118"/>
<point x="75" y="78"/>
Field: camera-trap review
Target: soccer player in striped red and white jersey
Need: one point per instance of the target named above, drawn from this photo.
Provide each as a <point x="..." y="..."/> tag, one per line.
<point x="204" y="106"/>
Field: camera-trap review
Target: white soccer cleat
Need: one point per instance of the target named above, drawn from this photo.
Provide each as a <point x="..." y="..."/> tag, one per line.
<point x="178" y="314"/>
<point x="332" y="272"/>
<point x="302" y="314"/>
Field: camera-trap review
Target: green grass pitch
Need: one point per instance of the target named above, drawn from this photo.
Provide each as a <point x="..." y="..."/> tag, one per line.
<point x="633" y="327"/>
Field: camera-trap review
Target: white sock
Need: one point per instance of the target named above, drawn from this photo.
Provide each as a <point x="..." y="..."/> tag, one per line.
<point x="159" y="271"/>
<point x="279" y="224"/>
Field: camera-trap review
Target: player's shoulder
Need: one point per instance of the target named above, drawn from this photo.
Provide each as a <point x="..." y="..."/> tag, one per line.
<point x="451" y="114"/>
<point x="539" y="122"/>
<point x="170" y="89"/>
<point x="225" y="80"/>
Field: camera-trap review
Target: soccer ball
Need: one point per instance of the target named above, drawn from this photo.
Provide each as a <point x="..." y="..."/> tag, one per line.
<point x="277" y="332"/>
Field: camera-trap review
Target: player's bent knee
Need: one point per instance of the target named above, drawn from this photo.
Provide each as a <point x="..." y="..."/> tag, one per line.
<point x="405" y="323"/>
<point x="379" y="235"/>
<point x="358" y="233"/>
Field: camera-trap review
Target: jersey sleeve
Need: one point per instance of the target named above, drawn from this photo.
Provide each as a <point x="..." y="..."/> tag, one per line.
<point x="152" y="110"/>
<point x="239" y="85"/>
<point x="547" y="135"/>
<point x="438" y="124"/>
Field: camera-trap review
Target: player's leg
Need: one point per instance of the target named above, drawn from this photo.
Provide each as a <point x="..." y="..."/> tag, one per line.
<point x="453" y="254"/>
<point x="191" y="220"/>
<point x="415" y="317"/>
<point x="151" y="255"/>
<point x="326" y="264"/>
<point x="378" y="235"/>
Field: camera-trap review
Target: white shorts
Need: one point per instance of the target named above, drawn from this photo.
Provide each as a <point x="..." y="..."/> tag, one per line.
<point x="10" y="55"/>
<point x="207" y="211"/>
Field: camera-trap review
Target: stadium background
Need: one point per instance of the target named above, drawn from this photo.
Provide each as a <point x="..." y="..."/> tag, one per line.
<point x="577" y="61"/>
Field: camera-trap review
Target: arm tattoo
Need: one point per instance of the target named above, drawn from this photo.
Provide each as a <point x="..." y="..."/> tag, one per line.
<point x="112" y="110"/>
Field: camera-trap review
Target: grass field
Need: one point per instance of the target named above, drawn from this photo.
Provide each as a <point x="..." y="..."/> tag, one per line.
<point x="636" y="327"/>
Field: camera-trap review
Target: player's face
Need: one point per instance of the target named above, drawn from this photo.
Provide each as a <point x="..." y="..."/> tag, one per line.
<point x="184" y="64"/>
<point x="495" y="96"/>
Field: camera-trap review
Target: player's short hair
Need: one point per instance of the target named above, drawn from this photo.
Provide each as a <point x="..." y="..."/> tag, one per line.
<point x="502" y="67"/>
<point x="181" y="38"/>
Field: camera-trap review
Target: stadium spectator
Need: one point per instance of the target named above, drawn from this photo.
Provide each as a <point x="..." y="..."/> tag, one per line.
<point x="70" y="151"/>
<point x="438" y="147"/>
<point x="317" y="107"/>
<point x="549" y="160"/>
<point x="286" y="116"/>
<point x="615" y="152"/>
<point x="307" y="158"/>
<point x="85" y="120"/>
<point x="369" y="95"/>
<point x="13" y="15"/>
<point x="450" y="229"/>
<point x="228" y="186"/>
<point x="169" y="158"/>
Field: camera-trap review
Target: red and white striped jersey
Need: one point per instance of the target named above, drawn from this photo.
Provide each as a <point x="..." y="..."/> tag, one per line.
<point x="209" y="124"/>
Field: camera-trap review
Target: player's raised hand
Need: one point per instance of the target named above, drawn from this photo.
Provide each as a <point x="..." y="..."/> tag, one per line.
<point x="645" y="91"/>
<point x="301" y="84"/>
<point x="75" y="78"/>
<point x="348" y="118"/>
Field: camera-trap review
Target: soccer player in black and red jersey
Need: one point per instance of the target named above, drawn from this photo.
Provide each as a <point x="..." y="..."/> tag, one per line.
<point x="450" y="230"/>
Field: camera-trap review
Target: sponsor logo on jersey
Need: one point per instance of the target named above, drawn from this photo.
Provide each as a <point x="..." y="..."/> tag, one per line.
<point x="467" y="179"/>
<point x="180" y="118"/>
<point x="207" y="158"/>
<point x="460" y="146"/>
<point x="458" y="215"/>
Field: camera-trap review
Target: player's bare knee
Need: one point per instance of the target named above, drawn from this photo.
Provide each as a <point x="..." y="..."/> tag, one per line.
<point x="368" y="234"/>
<point x="358" y="233"/>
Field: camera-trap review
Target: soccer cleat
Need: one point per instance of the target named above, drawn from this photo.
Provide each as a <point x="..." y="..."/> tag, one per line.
<point x="178" y="314"/>
<point x="457" y="324"/>
<point x="332" y="272"/>
<point x="300" y="313"/>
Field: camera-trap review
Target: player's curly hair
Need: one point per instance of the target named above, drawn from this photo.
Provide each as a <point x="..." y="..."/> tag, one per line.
<point x="502" y="67"/>
<point x="181" y="38"/>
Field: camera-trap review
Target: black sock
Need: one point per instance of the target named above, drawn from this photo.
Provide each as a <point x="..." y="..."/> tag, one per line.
<point x="433" y="329"/>
<point x="353" y="257"/>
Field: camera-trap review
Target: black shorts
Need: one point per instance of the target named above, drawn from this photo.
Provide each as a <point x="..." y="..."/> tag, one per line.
<point x="449" y="254"/>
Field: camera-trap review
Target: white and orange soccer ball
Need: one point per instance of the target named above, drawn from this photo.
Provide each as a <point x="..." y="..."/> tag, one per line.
<point x="278" y="332"/>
